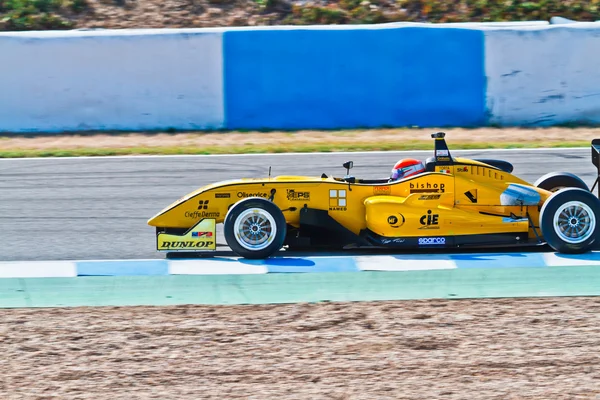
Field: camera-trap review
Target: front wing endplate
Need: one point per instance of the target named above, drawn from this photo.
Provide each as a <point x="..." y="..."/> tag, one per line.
<point x="200" y="237"/>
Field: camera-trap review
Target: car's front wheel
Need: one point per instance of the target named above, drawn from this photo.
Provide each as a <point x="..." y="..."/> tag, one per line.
<point x="255" y="228"/>
<point x="569" y="220"/>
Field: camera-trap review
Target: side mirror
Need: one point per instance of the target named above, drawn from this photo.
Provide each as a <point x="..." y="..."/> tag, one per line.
<point x="350" y="179"/>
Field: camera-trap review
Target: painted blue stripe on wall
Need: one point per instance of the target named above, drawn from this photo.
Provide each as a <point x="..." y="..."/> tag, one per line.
<point x="122" y="268"/>
<point x="354" y="77"/>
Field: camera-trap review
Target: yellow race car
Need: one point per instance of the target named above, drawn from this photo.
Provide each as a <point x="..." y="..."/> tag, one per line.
<point x="455" y="202"/>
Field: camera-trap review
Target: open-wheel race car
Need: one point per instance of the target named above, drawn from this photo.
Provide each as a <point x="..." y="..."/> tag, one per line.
<point x="455" y="202"/>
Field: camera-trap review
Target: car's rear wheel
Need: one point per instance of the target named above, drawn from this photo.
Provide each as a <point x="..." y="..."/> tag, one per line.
<point x="255" y="228"/>
<point x="554" y="181"/>
<point x="569" y="220"/>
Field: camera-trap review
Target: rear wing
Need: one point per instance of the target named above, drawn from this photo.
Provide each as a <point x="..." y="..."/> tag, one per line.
<point x="596" y="162"/>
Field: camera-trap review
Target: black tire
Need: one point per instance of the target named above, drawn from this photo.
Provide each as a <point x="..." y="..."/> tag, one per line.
<point x="587" y="212"/>
<point x="555" y="181"/>
<point x="270" y="213"/>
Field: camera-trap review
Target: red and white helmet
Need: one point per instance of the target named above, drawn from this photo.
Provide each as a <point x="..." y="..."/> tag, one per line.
<point x="407" y="167"/>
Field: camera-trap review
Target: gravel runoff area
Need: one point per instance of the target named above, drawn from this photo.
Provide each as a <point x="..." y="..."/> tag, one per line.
<point x="484" y="136"/>
<point x="540" y="348"/>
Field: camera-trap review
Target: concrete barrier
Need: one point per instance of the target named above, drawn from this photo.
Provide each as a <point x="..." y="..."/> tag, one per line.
<point x="352" y="77"/>
<point x="543" y="76"/>
<point x="301" y="77"/>
<point x="111" y="80"/>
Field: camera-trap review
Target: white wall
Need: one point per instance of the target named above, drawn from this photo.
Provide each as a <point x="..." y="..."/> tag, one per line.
<point x="543" y="76"/>
<point x="114" y="80"/>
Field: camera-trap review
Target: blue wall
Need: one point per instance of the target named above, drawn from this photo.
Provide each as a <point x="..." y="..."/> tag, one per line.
<point x="353" y="77"/>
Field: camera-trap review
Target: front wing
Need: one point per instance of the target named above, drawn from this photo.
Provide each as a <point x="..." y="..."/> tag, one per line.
<point x="200" y="237"/>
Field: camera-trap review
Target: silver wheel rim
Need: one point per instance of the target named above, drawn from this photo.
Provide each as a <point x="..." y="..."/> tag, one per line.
<point x="574" y="222"/>
<point x="255" y="229"/>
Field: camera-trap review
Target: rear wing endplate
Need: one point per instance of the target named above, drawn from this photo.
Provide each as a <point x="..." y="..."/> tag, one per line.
<point x="596" y="162"/>
<point x="442" y="153"/>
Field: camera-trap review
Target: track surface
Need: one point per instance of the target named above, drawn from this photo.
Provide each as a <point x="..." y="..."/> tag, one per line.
<point x="97" y="208"/>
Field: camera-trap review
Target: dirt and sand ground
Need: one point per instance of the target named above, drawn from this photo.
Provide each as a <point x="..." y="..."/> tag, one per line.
<point x="542" y="349"/>
<point x="484" y="136"/>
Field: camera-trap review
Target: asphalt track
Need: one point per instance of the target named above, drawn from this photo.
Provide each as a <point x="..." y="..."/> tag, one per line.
<point x="97" y="208"/>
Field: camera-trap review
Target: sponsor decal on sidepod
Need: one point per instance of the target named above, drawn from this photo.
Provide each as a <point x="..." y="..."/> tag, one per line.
<point x="432" y="240"/>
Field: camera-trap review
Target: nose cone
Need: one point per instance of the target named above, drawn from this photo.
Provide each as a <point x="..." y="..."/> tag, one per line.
<point x="176" y="215"/>
<point x="194" y="206"/>
<point x="154" y="221"/>
<point x="161" y="219"/>
<point x="179" y="215"/>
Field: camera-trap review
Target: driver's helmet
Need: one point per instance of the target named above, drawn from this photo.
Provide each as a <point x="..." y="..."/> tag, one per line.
<point x="407" y="167"/>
